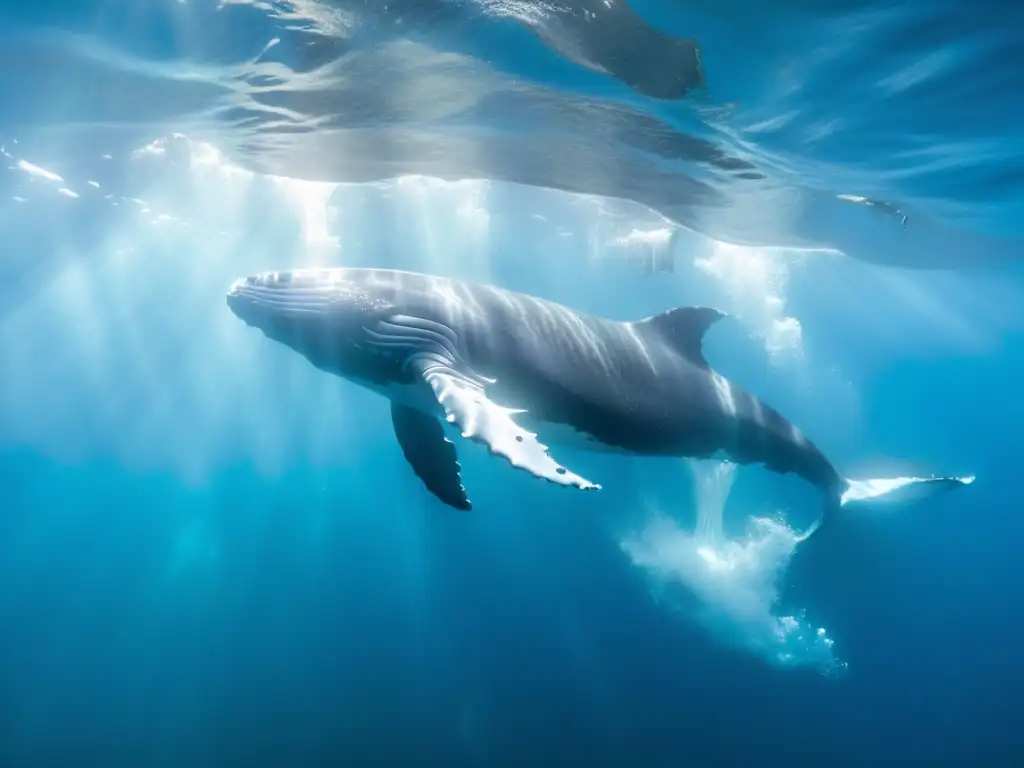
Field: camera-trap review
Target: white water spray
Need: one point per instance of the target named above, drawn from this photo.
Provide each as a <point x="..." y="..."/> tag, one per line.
<point x="713" y="481"/>
<point x="729" y="586"/>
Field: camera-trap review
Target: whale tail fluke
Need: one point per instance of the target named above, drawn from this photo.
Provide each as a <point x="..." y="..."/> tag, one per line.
<point x="880" y="492"/>
<point x="897" y="490"/>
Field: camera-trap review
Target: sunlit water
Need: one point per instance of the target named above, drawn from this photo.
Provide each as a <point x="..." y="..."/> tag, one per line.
<point x="193" y="201"/>
<point x="756" y="124"/>
<point x="165" y="149"/>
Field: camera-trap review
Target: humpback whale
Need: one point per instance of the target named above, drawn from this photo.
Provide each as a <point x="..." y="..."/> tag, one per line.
<point x="506" y="369"/>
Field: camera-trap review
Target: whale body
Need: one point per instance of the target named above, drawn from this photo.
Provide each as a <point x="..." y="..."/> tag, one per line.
<point x="509" y="370"/>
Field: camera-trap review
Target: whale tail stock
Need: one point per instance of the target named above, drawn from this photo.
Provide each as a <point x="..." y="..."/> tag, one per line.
<point x="769" y="438"/>
<point x="879" y="492"/>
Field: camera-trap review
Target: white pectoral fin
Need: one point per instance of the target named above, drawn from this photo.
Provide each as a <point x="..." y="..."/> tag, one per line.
<point x="465" y="404"/>
<point x="893" y="490"/>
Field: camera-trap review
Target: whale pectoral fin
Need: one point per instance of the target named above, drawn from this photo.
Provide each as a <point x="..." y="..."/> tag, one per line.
<point x="466" y="405"/>
<point x="431" y="454"/>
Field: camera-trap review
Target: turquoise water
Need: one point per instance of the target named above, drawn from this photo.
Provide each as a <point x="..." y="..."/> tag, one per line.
<point x="214" y="554"/>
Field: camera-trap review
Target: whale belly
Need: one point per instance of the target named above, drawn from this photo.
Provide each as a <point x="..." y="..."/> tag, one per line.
<point x="417" y="395"/>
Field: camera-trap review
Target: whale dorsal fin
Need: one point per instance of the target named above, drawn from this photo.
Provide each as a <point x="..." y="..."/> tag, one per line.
<point x="683" y="328"/>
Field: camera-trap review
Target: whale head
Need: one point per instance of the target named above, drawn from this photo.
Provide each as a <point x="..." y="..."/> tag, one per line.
<point x="319" y="313"/>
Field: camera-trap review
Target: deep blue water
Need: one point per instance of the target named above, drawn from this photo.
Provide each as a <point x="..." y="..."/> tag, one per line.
<point x="212" y="554"/>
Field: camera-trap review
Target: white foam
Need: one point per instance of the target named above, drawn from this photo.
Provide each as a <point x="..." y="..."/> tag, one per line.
<point x="730" y="587"/>
<point x="653" y="238"/>
<point x="755" y="280"/>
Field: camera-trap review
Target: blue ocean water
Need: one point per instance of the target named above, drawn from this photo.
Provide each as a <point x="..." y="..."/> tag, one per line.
<point x="215" y="555"/>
